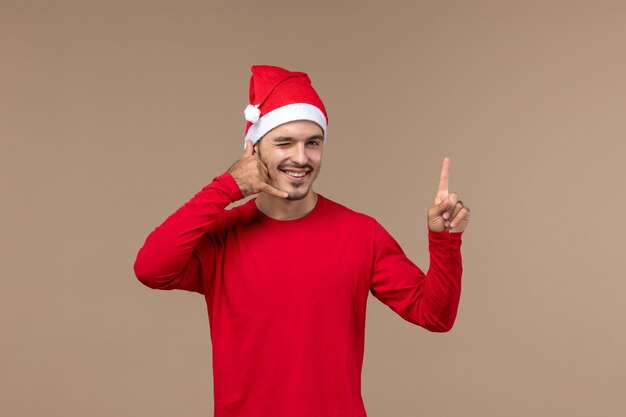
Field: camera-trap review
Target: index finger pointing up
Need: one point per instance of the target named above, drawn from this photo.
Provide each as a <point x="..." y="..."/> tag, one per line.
<point x="443" y="178"/>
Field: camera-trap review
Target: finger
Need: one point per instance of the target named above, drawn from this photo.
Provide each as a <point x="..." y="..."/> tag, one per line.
<point x="455" y="212"/>
<point x="443" y="177"/>
<point x="437" y="209"/>
<point x="264" y="173"/>
<point x="457" y="208"/>
<point x="249" y="150"/>
<point x="464" y="214"/>
<point x="453" y="198"/>
<point x="273" y="191"/>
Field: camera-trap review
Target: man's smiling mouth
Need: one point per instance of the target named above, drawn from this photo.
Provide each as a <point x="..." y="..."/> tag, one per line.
<point x="295" y="172"/>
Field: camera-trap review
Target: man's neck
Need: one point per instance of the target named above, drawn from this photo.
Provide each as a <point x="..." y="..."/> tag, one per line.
<point x="282" y="209"/>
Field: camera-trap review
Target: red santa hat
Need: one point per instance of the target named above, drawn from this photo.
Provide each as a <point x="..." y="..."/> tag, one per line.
<point x="279" y="96"/>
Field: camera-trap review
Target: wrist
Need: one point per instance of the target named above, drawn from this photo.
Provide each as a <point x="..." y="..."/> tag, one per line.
<point x="231" y="186"/>
<point x="444" y="235"/>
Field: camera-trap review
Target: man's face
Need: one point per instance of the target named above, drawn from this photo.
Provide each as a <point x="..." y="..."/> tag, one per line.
<point x="292" y="153"/>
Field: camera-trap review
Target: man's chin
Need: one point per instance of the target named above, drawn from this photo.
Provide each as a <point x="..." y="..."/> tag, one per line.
<point x="296" y="196"/>
<point x="297" y="193"/>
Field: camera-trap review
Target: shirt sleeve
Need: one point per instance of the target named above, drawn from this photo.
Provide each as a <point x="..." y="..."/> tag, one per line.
<point x="429" y="300"/>
<point x="169" y="258"/>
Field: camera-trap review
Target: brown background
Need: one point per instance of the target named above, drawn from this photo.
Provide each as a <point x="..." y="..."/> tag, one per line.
<point x="113" y="114"/>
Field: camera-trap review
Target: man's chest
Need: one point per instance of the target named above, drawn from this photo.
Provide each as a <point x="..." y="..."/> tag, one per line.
<point x="319" y="268"/>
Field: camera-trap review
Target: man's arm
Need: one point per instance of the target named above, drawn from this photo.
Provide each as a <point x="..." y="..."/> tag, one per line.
<point x="166" y="260"/>
<point x="430" y="300"/>
<point x="169" y="258"/>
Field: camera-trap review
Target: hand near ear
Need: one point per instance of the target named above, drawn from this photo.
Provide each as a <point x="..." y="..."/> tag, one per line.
<point x="251" y="175"/>
<point x="447" y="212"/>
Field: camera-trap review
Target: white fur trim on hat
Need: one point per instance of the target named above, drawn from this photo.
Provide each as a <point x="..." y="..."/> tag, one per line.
<point x="284" y="114"/>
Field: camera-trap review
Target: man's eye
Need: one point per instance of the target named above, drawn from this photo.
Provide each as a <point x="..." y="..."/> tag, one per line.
<point x="314" y="143"/>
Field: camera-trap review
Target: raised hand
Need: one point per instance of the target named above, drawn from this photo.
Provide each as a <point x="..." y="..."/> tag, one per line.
<point x="447" y="212"/>
<point x="251" y="176"/>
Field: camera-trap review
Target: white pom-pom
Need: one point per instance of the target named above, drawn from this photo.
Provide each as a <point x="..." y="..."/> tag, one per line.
<point x="252" y="113"/>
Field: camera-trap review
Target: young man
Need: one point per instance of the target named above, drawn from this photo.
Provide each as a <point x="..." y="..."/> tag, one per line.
<point x="286" y="275"/>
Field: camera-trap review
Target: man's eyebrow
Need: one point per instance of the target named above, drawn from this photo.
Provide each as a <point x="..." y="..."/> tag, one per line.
<point x="289" y="138"/>
<point x="282" y="139"/>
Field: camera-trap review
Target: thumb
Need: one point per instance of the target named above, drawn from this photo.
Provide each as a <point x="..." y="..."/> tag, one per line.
<point x="439" y="207"/>
<point x="249" y="148"/>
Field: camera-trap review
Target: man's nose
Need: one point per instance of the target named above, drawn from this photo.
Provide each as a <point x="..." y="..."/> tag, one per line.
<point x="299" y="155"/>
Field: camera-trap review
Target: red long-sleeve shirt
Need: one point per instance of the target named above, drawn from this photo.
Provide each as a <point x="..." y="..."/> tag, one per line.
<point x="287" y="299"/>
